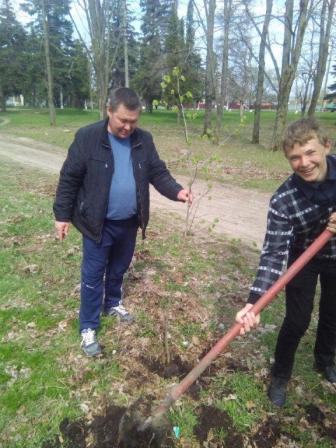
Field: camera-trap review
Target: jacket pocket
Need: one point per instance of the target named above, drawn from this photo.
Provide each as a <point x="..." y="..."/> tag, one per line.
<point x="141" y="168"/>
<point x="82" y="208"/>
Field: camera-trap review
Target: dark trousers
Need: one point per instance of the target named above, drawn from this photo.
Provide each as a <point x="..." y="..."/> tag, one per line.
<point x="103" y="267"/>
<point x="300" y="294"/>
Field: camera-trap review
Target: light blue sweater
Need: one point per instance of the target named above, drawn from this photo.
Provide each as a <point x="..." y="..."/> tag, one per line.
<point x="122" y="201"/>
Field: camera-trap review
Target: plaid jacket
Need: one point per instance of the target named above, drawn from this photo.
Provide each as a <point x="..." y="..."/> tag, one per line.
<point x="294" y="221"/>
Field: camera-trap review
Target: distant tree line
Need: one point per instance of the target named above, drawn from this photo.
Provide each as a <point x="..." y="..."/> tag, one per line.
<point x="71" y="53"/>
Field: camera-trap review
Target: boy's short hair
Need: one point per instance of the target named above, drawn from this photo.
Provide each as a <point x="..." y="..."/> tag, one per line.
<point x="301" y="131"/>
<point x="125" y="96"/>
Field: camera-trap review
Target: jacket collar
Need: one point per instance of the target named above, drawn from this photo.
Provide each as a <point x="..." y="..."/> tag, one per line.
<point x="135" y="137"/>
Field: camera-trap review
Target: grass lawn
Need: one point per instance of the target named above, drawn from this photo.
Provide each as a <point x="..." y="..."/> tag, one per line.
<point x="184" y="293"/>
<point x="234" y="161"/>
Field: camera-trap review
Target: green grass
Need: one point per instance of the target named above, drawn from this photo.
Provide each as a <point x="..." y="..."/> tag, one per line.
<point x="185" y="419"/>
<point x="235" y="160"/>
<point x="246" y="396"/>
<point x="39" y="329"/>
<point x="196" y="283"/>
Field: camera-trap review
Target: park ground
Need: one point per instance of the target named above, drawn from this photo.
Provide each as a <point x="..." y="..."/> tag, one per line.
<point x="184" y="292"/>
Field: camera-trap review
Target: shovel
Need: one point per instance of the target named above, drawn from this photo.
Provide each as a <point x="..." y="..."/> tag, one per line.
<point x="154" y="421"/>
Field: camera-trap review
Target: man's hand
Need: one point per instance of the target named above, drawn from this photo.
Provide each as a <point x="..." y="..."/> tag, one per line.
<point x="62" y="229"/>
<point x="248" y="319"/>
<point x="185" y="196"/>
<point x="332" y="223"/>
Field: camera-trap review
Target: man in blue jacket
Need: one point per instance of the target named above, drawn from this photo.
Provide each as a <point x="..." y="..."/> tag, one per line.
<point x="103" y="190"/>
<point x="302" y="207"/>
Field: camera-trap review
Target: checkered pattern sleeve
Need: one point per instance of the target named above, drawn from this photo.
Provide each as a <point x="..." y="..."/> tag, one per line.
<point x="294" y="221"/>
<point x="275" y="250"/>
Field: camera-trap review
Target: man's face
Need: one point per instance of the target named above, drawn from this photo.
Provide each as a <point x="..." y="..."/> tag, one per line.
<point x="309" y="161"/>
<point x="122" y="121"/>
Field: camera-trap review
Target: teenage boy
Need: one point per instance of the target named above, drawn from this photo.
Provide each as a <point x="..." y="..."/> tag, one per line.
<point x="104" y="191"/>
<point x="303" y="206"/>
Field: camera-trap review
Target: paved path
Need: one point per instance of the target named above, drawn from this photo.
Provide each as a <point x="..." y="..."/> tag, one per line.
<point x="241" y="213"/>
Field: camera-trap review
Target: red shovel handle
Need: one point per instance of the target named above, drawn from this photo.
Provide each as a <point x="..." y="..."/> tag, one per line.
<point x="234" y="331"/>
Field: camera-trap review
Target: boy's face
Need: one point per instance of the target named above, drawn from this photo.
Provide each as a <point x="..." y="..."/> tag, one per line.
<point x="309" y="161"/>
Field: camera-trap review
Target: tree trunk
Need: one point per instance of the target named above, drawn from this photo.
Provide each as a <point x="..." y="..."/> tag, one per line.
<point x="102" y="91"/>
<point x="323" y="52"/>
<point x="290" y="57"/>
<point x="125" y="43"/>
<point x="61" y="98"/>
<point x="304" y="102"/>
<point x="261" y="73"/>
<point x="241" y="111"/>
<point x="34" y="96"/>
<point x="286" y="82"/>
<point x="97" y="17"/>
<point x="149" y="105"/>
<point x="209" y="76"/>
<point x="52" y="112"/>
<point x="225" y="69"/>
<point x="2" y="100"/>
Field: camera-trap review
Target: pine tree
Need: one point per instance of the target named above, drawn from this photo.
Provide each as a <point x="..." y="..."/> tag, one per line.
<point x="180" y="52"/>
<point x="193" y="71"/>
<point x="34" y="86"/>
<point x="175" y="49"/>
<point x="60" y="40"/>
<point x="332" y="88"/>
<point x="77" y="87"/>
<point x="118" y="78"/>
<point x="12" y="39"/>
<point x="150" y="71"/>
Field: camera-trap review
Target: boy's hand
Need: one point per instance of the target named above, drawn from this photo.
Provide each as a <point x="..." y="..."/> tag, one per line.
<point x="332" y="223"/>
<point x="248" y="319"/>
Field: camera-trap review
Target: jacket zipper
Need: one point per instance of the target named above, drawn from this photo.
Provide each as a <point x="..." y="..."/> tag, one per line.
<point x="107" y="201"/>
<point x="137" y="183"/>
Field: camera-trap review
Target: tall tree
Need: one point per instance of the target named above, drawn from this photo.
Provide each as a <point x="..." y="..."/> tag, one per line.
<point x="125" y="41"/>
<point x="151" y="54"/>
<point x="191" y="61"/>
<point x="193" y="71"/>
<point x="174" y="45"/>
<point x="332" y="94"/>
<point x="209" y="7"/>
<point x="261" y="72"/>
<point x="50" y="22"/>
<point x="242" y="76"/>
<point x="224" y="78"/>
<point x="12" y="40"/>
<point x="326" y="20"/>
<point x="125" y="55"/>
<point x="330" y="58"/>
<point x="105" y="38"/>
<point x="306" y="68"/>
<point x="77" y="89"/>
<point x="50" y="78"/>
<point x="294" y="29"/>
<point x="34" y="84"/>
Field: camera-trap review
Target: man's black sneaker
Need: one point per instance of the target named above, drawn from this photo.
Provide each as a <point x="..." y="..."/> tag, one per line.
<point x="277" y="391"/>
<point x="329" y="373"/>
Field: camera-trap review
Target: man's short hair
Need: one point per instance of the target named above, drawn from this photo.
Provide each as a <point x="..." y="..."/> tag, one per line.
<point x="125" y="96"/>
<point x="301" y="131"/>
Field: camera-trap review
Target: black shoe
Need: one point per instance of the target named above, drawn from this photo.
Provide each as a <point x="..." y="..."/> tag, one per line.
<point x="329" y="373"/>
<point x="277" y="391"/>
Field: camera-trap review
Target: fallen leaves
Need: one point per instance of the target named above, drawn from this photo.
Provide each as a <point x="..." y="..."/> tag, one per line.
<point x="16" y="373"/>
<point x="31" y="269"/>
